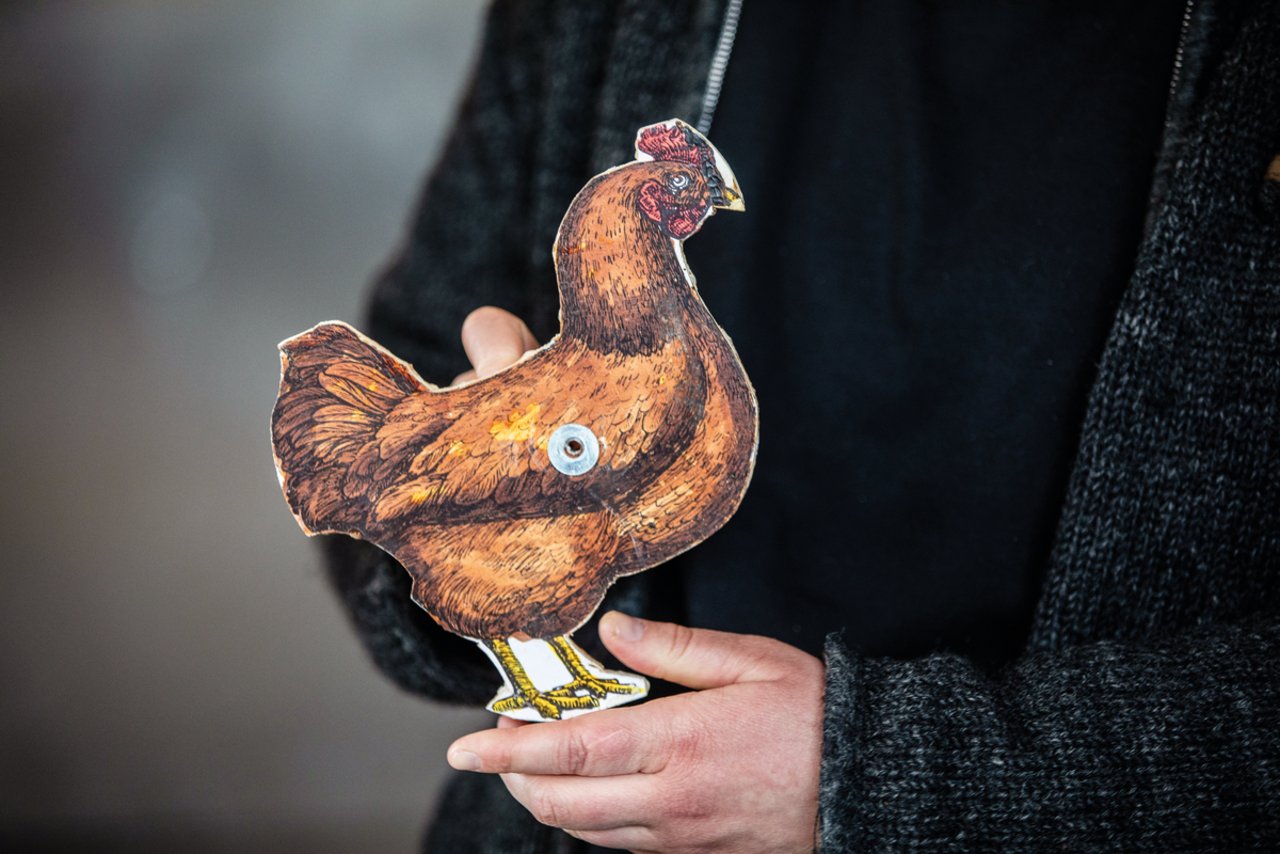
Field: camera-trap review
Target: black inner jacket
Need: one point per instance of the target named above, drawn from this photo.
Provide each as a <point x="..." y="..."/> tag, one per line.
<point x="943" y="206"/>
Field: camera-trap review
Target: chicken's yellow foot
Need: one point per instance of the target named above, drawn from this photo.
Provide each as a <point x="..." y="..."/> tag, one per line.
<point x="584" y="683"/>
<point x="525" y="695"/>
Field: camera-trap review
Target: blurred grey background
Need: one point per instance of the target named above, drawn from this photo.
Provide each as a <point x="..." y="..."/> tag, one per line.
<point x="182" y="185"/>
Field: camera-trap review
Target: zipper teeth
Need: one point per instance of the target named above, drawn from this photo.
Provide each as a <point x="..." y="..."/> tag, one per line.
<point x="1180" y="53"/>
<point x="719" y="62"/>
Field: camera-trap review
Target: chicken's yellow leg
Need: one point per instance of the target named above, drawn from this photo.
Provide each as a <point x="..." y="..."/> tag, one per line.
<point x="525" y="695"/>
<point x="583" y="680"/>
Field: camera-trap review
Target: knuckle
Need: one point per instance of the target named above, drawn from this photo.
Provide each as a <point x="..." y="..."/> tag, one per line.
<point x="547" y="807"/>
<point x="592" y="750"/>
<point x="575" y="752"/>
<point x="680" y="642"/>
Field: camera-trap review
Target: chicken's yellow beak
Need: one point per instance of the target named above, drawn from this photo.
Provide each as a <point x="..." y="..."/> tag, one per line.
<point x="730" y="196"/>
<point x="732" y="199"/>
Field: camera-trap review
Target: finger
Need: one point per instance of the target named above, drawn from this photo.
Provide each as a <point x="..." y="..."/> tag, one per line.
<point x="494" y="338"/>
<point x="464" y="760"/>
<point x="584" y="803"/>
<point x="604" y="744"/>
<point x="490" y="316"/>
<point x="695" y="658"/>
<point x="464" y="377"/>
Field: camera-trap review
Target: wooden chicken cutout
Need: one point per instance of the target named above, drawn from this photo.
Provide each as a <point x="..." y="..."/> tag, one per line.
<point x="516" y="500"/>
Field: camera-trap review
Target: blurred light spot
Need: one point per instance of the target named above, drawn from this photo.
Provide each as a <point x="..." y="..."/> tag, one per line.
<point x="171" y="245"/>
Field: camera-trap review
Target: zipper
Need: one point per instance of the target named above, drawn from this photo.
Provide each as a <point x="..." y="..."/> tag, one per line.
<point x="720" y="62"/>
<point x="1178" y="59"/>
<point x="1172" y="113"/>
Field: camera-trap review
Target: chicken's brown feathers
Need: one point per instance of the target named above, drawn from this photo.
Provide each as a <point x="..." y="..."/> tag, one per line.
<point x="490" y="460"/>
<point x="521" y="576"/>
<point x="459" y="483"/>
<point x="336" y="390"/>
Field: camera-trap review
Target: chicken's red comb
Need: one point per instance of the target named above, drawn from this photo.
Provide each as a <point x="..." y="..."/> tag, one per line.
<point x="669" y="142"/>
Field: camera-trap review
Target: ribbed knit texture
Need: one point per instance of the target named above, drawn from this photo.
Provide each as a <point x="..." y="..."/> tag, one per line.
<point x="1166" y="746"/>
<point x="1146" y="712"/>
<point x="1171" y="517"/>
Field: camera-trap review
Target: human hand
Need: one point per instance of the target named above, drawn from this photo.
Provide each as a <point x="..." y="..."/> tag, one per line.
<point x="731" y="766"/>
<point x="493" y="339"/>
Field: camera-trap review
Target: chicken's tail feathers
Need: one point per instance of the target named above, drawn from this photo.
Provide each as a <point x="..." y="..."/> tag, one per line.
<point x="336" y="389"/>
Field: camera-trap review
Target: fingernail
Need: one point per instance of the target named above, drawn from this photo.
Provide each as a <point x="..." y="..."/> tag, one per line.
<point x="464" y="760"/>
<point x="626" y="627"/>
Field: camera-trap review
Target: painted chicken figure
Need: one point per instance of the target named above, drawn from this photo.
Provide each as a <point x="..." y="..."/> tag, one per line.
<point x="516" y="500"/>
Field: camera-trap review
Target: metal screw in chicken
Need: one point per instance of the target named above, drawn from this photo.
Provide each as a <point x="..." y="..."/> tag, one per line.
<point x="573" y="450"/>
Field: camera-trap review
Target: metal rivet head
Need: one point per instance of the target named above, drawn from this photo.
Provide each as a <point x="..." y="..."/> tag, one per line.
<point x="573" y="449"/>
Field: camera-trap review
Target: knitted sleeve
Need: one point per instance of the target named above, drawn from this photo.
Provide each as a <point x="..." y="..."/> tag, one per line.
<point x="1169" y="746"/>
<point x="465" y="248"/>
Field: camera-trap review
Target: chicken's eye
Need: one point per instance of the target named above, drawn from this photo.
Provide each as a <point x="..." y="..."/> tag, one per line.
<point x="678" y="181"/>
<point x="573" y="449"/>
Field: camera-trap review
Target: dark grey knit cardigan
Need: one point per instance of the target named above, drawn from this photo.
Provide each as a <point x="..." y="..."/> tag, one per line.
<point x="1145" y="712"/>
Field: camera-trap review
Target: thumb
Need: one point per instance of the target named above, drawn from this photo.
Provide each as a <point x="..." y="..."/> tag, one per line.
<point x="694" y="658"/>
<point x="493" y="339"/>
